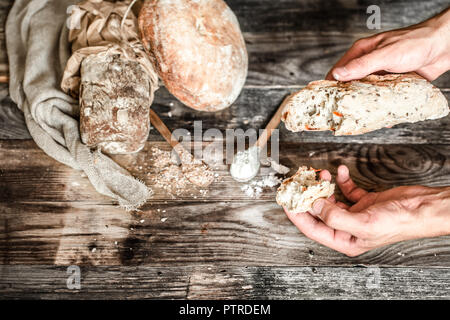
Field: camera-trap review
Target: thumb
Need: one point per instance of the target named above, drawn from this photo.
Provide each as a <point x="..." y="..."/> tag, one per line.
<point x="361" y="67"/>
<point x="339" y="218"/>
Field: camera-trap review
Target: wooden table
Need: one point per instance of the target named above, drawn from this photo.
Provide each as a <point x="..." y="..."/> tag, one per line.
<point x="224" y="244"/>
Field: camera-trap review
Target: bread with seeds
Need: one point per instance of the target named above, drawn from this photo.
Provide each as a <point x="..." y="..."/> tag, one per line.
<point x="357" y="107"/>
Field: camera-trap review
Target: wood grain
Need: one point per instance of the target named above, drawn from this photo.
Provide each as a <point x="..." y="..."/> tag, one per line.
<point x="233" y="234"/>
<point x="223" y="244"/>
<point x="5" y="6"/>
<point x="30" y="175"/>
<point x="293" y="42"/>
<point x="262" y="283"/>
<point x="297" y="58"/>
<point x="253" y="110"/>
<point x="50" y="214"/>
<point x="329" y="16"/>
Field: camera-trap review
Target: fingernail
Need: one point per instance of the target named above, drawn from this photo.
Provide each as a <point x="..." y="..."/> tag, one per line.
<point x="340" y="73"/>
<point x="318" y="206"/>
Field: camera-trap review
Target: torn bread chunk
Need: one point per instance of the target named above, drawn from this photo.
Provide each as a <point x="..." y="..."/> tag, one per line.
<point x="298" y="193"/>
<point x="357" y="107"/>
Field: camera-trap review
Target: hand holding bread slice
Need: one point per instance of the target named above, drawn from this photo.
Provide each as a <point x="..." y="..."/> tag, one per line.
<point x="357" y="107"/>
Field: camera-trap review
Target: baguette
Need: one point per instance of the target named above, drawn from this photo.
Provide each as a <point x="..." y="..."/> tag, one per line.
<point x="298" y="193"/>
<point x="357" y="107"/>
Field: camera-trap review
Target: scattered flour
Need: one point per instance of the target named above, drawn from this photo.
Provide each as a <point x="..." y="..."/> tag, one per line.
<point x="256" y="187"/>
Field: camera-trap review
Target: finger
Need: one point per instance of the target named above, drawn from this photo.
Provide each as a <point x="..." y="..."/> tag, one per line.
<point x="342" y="205"/>
<point x="340" y="219"/>
<point x="325" y="175"/>
<point x="332" y="199"/>
<point x="316" y="230"/>
<point x="348" y="56"/>
<point x="361" y="67"/>
<point x="358" y="49"/>
<point x="350" y="190"/>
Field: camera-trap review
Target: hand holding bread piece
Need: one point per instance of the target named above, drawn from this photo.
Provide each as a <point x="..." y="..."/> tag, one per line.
<point x="298" y="193"/>
<point x="357" y="107"/>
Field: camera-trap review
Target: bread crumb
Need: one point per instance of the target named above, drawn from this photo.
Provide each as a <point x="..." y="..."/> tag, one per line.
<point x="178" y="179"/>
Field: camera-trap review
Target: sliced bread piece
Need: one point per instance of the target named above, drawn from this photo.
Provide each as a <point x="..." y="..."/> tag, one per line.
<point x="298" y="193"/>
<point x="357" y="107"/>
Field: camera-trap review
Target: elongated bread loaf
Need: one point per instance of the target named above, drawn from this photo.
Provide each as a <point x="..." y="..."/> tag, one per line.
<point x="357" y="107"/>
<point x="298" y="193"/>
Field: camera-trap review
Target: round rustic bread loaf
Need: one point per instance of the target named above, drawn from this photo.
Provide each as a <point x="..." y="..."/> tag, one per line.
<point x="198" y="50"/>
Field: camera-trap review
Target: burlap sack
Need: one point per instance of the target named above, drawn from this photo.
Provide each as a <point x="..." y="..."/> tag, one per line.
<point x="38" y="50"/>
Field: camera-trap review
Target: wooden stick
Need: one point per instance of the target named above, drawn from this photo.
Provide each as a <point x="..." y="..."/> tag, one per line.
<point x="4" y="79"/>
<point x="272" y="125"/>
<point x="185" y="156"/>
<point x="162" y="129"/>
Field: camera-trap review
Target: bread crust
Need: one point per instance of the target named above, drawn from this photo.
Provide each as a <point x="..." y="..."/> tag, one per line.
<point x="114" y="104"/>
<point x="357" y="107"/>
<point x="198" y="50"/>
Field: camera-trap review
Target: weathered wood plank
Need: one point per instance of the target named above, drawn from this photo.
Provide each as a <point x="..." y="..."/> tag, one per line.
<point x="196" y="234"/>
<point x="297" y="58"/>
<point x="293" y="42"/>
<point x="253" y="109"/>
<point x="30" y="175"/>
<point x="323" y="15"/>
<point x="50" y="214"/>
<point x="280" y="283"/>
<point x="5" y="5"/>
<point x="317" y="15"/>
<point x="12" y="122"/>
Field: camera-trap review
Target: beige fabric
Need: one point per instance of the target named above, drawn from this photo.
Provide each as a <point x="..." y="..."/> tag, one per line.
<point x="38" y="49"/>
<point x="97" y="22"/>
<point x="96" y="26"/>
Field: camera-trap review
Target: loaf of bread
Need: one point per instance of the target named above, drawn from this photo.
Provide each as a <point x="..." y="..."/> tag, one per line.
<point x="298" y="193"/>
<point x="198" y="50"/>
<point x="115" y="97"/>
<point x="357" y="107"/>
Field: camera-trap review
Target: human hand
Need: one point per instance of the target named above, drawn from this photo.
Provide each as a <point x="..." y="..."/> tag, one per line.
<point x="375" y="219"/>
<point x="423" y="48"/>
